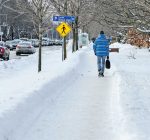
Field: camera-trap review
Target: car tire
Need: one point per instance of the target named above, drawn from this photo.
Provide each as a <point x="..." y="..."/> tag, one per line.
<point x="7" y="58"/>
<point x="17" y="53"/>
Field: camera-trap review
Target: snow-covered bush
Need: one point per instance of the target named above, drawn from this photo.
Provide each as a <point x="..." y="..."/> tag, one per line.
<point x="132" y="52"/>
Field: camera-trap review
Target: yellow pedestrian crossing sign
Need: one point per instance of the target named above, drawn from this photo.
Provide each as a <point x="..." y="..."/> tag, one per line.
<point x="63" y="29"/>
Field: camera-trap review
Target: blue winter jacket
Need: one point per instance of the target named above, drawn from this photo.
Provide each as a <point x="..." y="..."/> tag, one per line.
<point x="101" y="46"/>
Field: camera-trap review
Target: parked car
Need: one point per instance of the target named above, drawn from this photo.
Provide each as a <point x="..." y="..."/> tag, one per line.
<point x="53" y="42"/>
<point x="59" y="42"/>
<point x="44" y="41"/>
<point x="4" y="53"/>
<point x="50" y="42"/>
<point x="2" y="43"/>
<point x="35" y="42"/>
<point x="25" y="48"/>
<point x="47" y="41"/>
<point x="11" y="44"/>
<point x="24" y="39"/>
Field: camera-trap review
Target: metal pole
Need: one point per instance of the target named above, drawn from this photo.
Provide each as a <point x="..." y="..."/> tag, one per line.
<point x="52" y="33"/>
<point x="63" y="50"/>
<point x="0" y="31"/>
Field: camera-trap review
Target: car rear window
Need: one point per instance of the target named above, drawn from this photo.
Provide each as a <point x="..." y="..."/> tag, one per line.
<point x="25" y="44"/>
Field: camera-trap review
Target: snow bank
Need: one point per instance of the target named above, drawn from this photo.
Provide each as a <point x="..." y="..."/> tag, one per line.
<point x="134" y="88"/>
<point x="19" y="78"/>
<point x="46" y="94"/>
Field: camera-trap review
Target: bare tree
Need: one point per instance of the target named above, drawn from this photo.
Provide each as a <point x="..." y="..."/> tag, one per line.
<point x="38" y="11"/>
<point x="110" y="15"/>
<point x="81" y="9"/>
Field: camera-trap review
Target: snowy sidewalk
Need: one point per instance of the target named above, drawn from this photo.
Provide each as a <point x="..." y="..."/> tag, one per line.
<point x="86" y="107"/>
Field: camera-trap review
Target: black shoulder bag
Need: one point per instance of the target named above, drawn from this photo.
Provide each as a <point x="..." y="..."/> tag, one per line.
<point x="107" y="63"/>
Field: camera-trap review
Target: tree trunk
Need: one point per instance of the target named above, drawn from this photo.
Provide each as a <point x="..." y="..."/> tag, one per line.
<point x="40" y="48"/>
<point x="76" y="33"/>
<point x="12" y="32"/>
<point x="73" y="42"/>
<point x="40" y="37"/>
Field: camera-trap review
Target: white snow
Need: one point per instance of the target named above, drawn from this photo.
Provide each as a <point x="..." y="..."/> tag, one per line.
<point x="145" y="31"/>
<point x="68" y="101"/>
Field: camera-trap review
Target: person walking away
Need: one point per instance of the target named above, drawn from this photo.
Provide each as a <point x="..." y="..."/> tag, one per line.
<point x="101" y="50"/>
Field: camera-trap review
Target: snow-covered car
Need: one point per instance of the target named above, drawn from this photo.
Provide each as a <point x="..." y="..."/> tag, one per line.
<point x="59" y="42"/>
<point x="24" y="39"/>
<point x="45" y="41"/>
<point x="25" y="48"/>
<point x="35" y="42"/>
<point x="4" y="53"/>
<point x="10" y="44"/>
<point x="2" y="43"/>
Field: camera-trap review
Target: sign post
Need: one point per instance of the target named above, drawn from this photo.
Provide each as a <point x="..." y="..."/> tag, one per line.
<point x="63" y="29"/>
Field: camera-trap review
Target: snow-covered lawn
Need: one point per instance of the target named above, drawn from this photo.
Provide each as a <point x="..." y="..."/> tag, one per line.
<point x="68" y="101"/>
<point x="134" y="88"/>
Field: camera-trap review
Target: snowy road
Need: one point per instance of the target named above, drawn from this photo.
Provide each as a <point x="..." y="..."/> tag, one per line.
<point x="84" y="107"/>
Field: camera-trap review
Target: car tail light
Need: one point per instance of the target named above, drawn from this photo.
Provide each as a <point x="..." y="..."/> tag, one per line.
<point x="29" y="47"/>
<point x="2" y="50"/>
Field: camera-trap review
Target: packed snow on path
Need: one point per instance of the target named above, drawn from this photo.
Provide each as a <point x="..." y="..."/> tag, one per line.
<point x="68" y="101"/>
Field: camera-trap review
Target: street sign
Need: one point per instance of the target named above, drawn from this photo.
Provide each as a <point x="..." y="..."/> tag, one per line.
<point x="64" y="18"/>
<point x="63" y="29"/>
<point x="1" y="33"/>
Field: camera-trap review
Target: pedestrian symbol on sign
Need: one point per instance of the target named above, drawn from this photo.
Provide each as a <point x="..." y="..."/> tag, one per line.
<point x="63" y="29"/>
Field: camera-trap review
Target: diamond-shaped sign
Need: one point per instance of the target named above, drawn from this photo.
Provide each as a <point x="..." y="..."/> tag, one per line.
<point x="63" y="29"/>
